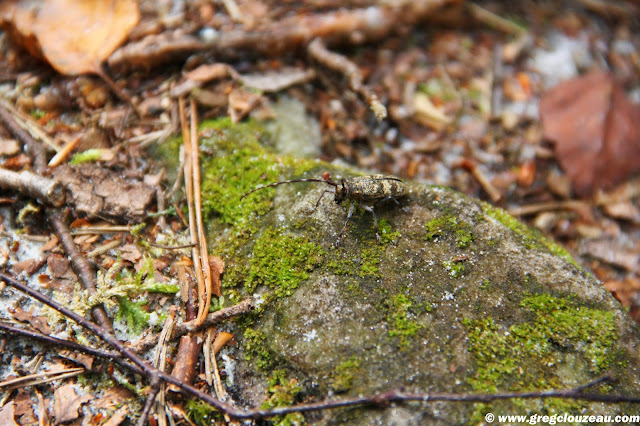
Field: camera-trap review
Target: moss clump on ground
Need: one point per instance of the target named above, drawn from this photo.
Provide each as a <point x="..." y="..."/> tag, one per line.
<point x="281" y="262"/>
<point x="342" y="380"/>
<point x="134" y="314"/>
<point x="402" y="319"/>
<point x="239" y="164"/>
<point x="201" y="413"/>
<point x="456" y="269"/>
<point x="370" y="261"/>
<point x="282" y="392"/>
<point x="256" y="349"/>
<point x="449" y="226"/>
<point x="530" y="355"/>
<point x="386" y="232"/>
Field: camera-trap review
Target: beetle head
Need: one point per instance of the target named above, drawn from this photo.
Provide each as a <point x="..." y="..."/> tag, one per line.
<point x="341" y="192"/>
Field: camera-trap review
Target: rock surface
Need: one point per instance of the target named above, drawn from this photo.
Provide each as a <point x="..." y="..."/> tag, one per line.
<point x="456" y="296"/>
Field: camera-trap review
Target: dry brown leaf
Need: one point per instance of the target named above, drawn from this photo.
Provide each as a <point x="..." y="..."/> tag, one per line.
<point x="7" y="414"/>
<point x="208" y="72"/>
<point x="216" y="264"/>
<point x="596" y="130"/>
<point x="74" y="36"/>
<point x="241" y="102"/>
<point x="38" y="322"/>
<point x="67" y="403"/>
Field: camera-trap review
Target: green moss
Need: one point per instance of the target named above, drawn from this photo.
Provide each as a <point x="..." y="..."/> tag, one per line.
<point x="340" y="266"/>
<point x="88" y="156"/>
<point x="239" y="164"/>
<point x="532" y="355"/>
<point x="456" y="269"/>
<point x="228" y="177"/>
<point x="402" y="319"/>
<point x="360" y="261"/>
<point x="282" y="392"/>
<point x="342" y="379"/>
<point x="256" y="349"/>
<point x="531" y="238"/>
<point x="201" y="413"/>
<point x="369" y="261"/>
<point x="463" y="238"/>
<point x="485" y="285"/>
<point x="133" y="314"/>
<point x="449" y="226"/>
<point x="281" y="261"/>
<point x="387" y="235"/>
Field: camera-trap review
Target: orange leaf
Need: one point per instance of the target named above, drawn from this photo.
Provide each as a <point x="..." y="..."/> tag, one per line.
<point x="74" y="36"/>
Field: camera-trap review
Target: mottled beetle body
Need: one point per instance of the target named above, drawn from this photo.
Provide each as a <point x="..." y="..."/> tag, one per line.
<point x="370" y="189"/>
<point x="367" y="191"/>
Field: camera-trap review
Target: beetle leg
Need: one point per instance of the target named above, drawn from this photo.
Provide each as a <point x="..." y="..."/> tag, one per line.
<point x="344" y="228"/>
<point x="375" y="219"/>
<point x="319" y="199"/>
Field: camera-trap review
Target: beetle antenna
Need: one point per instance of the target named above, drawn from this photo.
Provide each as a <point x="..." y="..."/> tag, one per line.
<point x="328" y="182"/>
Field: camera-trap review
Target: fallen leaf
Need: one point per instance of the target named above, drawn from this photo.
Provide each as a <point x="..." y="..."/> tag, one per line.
<point x="74" y="36"/>
<point x="130" y="252"/>
<point x="596" y="131"/>
<point x="613" y="252"/>
<point x="37" y="322"/>
<point x="67" y="403"/>
<point x="241" y="102"/>
<point x="208" y="72"/>
<point x="118" y="417"/>
<point x="428" y="114"/>
<point x="216" y="264"/>
<point x="275" y="81"/>
<point x="7" y="414"/>
<point x="24" y="408"/>
<point x="85" y="360"/>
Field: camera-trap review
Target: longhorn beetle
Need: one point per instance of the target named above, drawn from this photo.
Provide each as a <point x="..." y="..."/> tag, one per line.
<point x="367" y="191"/>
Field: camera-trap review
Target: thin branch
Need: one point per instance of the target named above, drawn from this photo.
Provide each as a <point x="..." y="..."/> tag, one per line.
<point x="81" y="267"/>
<point x="48" y="191"/>
<point x="340" y="63"/>
<point x="146" y="369"/>
<point x="151" y="398"/>
<point x="181" y="329"/>
<point x="39" y="378"/>
<point x="118" y="91"/>
<point x="58" y="342"/>
<point x="552" y="205"/>
<point x="34" y="148"/>
<point x="354" y="26"/>
<point x="482" y="179"/>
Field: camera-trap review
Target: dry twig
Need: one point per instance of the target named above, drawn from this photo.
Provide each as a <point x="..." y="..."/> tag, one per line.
<point x="181" y="329"/>
<point x="81" y="267"/>
<point x="48" y="191"/>
<point x="272" y="39"/>
<point x="340" y="63"/>
<point x="33" y="147"/>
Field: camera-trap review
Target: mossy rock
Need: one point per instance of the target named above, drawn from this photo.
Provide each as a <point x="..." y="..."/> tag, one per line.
<point x="456" y="296"/>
